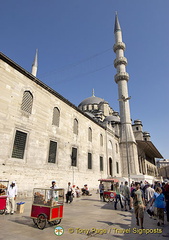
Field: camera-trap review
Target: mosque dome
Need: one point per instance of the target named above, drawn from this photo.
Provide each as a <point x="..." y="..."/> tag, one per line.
<point x="91" y="100"/>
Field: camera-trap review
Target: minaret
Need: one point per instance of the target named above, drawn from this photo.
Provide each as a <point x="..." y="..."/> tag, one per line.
<point x="35" y="64"/>
<point x="127" y="140"/>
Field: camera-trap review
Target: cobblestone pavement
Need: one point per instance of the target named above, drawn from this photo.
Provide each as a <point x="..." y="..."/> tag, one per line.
<point x="83" y="214"/>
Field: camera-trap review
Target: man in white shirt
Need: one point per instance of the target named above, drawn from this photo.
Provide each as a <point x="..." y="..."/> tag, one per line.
<point x="11" y="197"/>
<point x="54" y="186"/>
<point x="53" y="194"/>
<point x="122" y="188"/>
<point x="149" y="193"/>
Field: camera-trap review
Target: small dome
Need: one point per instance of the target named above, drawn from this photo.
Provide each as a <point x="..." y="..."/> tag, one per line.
<point x="146" y="134"/>
<point x="112" y="119"/>
<point x="137" y="122"/>
<point x="91" y="100"/>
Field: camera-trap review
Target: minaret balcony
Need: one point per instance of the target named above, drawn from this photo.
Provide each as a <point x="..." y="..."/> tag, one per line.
<point x="119" y="45"/>
<point x="119" y="61"/>
<point x="121" y="76"/>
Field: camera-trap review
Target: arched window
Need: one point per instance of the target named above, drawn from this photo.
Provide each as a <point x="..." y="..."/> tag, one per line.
<point x="101" y="140"/>
<point x="110" y="145"/>
<point x="75" y="127"/>
<point x="27" y="102"/>
<point x="90" y="134"/>
<point x="56" y="116"/>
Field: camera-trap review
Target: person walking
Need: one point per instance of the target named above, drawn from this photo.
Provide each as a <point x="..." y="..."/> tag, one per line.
<point x="159" y="205"/>
<point x="149" y="193"/>
<point x="122" y="188"/>
<point x="69" y="197"/>
<point x="167" y="198"/>
<point x="118" y="197"/>
<point x="126" y="194"/>
<point x="138" y="203"/>
<point x="132" y="189"/>
<point x="11" y="197"/>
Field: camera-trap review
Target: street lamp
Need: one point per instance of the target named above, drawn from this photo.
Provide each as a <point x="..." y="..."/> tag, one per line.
<point x="124" y="100"/>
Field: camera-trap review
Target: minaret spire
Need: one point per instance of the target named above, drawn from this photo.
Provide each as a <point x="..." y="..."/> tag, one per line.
<point x="117" y="24"/>
<point x="35" y="64"/>
<point x="127" y="139"/>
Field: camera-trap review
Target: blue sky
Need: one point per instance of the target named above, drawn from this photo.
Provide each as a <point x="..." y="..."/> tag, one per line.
<point x="75" y="39"/>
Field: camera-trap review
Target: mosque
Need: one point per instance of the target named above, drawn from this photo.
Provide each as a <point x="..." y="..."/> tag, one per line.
<point x="43" y="136"/>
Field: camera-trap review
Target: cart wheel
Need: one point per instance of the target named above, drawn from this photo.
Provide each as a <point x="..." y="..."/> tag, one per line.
<point x="34" y="220"/>
<point x="2" y="211"/>
<point x="56" y="222"/>
<point x="41" y="221"/>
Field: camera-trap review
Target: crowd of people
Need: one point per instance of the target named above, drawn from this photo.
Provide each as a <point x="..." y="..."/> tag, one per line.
<point x="75" y="191"/>
<point x="153" y="198"/>
<point x="139" y="196"/>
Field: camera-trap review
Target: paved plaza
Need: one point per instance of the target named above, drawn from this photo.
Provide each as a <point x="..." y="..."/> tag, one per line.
<point x="85" y="218"/>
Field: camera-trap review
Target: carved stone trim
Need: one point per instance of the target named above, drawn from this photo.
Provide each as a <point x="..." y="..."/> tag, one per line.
<point x="121" y="60"/>
<point x="119" y="45"/>
<point x="121" y="76"/>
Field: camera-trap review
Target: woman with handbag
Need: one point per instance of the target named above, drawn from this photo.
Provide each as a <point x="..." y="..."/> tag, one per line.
<point x="159" y="205"/>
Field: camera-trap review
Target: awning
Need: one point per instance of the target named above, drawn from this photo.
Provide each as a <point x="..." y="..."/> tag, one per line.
<point x="149" y="148"/>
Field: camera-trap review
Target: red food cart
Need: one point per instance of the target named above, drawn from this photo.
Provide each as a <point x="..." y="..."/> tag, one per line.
<point x="3" y="195"/>
<point x="47" y="206"/>
<point x="108" y="194"/>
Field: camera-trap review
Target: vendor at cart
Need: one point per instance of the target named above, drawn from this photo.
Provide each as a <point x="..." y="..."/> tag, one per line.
<point x="54" y="186"/>
<point x="101" y="190"/>
<point x="53" y="194"/>
<point x="11" y="197"/>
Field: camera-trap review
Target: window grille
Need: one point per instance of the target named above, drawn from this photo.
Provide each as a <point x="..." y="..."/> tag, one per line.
<point x="89" y="161"/>
<point x="19" y="145"/>
<point x="110" y="167"/>
<point x="52" y="152"/>
<point x="101" y="163"/>
<point x="56" y="117"/>
<point x="74" y="157"/>
<point x="27" y="102"/>
<point x="117" y="167"/>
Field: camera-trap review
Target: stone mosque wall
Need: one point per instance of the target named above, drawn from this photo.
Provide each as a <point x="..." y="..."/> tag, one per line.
<point x="34" y="169"/>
